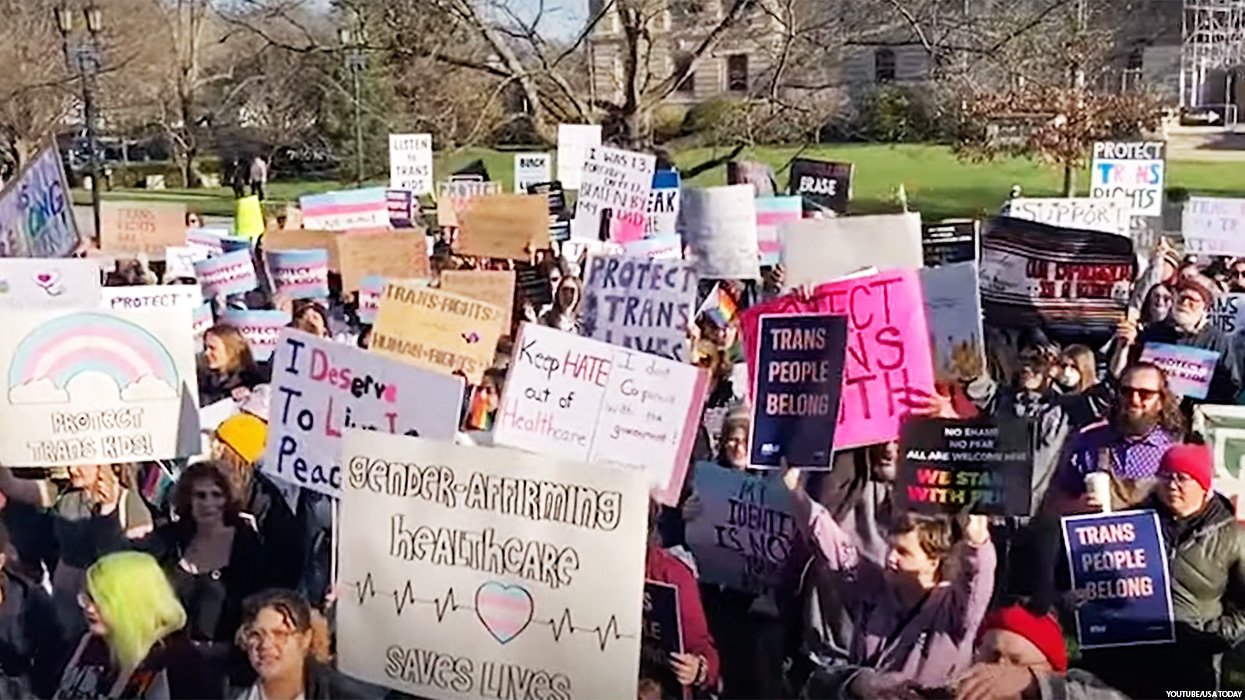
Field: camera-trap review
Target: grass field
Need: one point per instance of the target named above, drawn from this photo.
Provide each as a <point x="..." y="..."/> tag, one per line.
<point x="937" y="184"/>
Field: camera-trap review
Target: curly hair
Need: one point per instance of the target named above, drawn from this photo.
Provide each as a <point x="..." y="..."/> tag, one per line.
<point x="1171" y="418"/>
<point x="295" y="611"/>
<point x="183" y="491"/>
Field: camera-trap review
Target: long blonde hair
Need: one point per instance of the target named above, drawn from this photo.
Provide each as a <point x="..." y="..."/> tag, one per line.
<point x="136" y="603"/>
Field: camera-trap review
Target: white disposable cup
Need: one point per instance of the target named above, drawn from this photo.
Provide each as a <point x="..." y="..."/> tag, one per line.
<point x="1099" y="484"/>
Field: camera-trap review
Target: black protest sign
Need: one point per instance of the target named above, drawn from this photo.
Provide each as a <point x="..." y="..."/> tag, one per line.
<point x="827" y="185"/>
<point x="559" y="217"/>
<point x="946" y="465"/>
<point x="949" y="242"/>
<point x="663" y="636"/>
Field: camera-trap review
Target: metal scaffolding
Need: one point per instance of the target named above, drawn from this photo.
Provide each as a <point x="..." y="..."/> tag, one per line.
<point x="1212" y="39"/>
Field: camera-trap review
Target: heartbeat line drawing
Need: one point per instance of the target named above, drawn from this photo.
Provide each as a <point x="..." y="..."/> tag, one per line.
<point x="504" y="610"/>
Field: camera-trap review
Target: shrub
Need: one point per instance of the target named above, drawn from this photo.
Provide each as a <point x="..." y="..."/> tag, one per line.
<point x="895" y="114"/>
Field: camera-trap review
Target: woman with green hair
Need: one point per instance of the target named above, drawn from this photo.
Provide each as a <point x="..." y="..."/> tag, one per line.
<point x="134" y="647"/>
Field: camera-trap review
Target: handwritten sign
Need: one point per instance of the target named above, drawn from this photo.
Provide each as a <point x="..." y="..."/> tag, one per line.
<point x="453" y="196"/>
<point x="719" y="228"/>
<point x="1133" y="170"/>
<point x="1214" y="226"/>
<point x="950" y="242"/>
<point x="888" y="351"/>
<point x="396" y="254"/>
<point x="820" y="250"/>
<point x="97" y="387"/>
<point x="531" y="169"/>
<point x="36" y="211"/>
<point x="799" y="371"/>
<point x="953" y="315"/>
<point x="744" y="534"/>
<point x="49" y="282"/>
<point x="663" y="205"/>
<point x="229" y="273"/>
<point x="574" y="140"/>
<point x="155" y="296"/>
<point x="826" y="185"/>
<point x="299" y="274"/>
<point x="1227" y="314"/>
<point x="494" y="287"/>
<point x="658" y="248"/>
<point x="179" y="261"/>
<point x="1119" y="568"/>
<point x="260" y="327"/>
<point x="582" y="399"/>
<point x="322" y="389"/>
<point x="642" y="304"/>
<point x="436" y="330"/>
<point x="344" y="210"/>
<point x="510" y="226"/>
<point x="1189" y="369"/>
<point x="141" y="227"/>
<point x="663" y="636"/>
<point x="946" y="466"/>
<point x="616" y="183"/>
<point x="773" y="212"/>
<point x="1085" y="213"/>
<point x="410" y="163"/>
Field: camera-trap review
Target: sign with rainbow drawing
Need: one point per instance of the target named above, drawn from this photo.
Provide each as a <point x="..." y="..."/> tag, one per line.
<point x="97" y="387"/>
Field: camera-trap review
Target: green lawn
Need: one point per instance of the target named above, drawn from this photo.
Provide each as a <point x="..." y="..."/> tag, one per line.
<point x="937" y="184"/>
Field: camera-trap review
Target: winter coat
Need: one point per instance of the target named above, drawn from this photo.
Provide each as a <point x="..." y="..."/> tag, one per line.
<point x="664" y="567"/>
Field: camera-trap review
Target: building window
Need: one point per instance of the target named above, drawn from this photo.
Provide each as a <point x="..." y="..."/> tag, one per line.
<point x="1136" y="58"/>
<point x="686" y="11"/>
<point x="883" y="65"/>
<point x="737" y="72"/>
<point x="687" y="86"/>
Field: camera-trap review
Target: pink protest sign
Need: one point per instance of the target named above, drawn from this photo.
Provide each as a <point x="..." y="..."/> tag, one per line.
<point x="888" y="352"/>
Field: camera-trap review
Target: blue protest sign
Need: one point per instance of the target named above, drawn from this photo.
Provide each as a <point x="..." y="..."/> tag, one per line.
<point x="1119" y="569"/>
<point x="796" y="382"/>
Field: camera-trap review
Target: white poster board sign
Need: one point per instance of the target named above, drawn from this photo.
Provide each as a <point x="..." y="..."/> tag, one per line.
<point x="465" y="568"/>
<point x="410" y="163"/>
<point x="614" y="181"/>
<point x="161" y="296"/>
<point x="1085" y="213"/>
<point x="719" y="228"/>
<point x="49" y="283"/>
<point x="531" y="169"/>
<point x="1133" y="170"/>
<point x="574" y="140"/>
<point x="639" y="303"/>
<point x="819" y="250"/>
<point x="1213" y="226"/>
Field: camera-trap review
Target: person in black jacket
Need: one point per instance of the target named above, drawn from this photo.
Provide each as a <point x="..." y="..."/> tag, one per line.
<point x="32" y="643"/>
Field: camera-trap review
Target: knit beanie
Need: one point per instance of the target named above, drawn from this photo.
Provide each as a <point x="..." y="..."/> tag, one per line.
<point x="1042" y="631"/>
<point x="246" y="434"/>
<point x="1194" y="461"/>
<point x="1207" y="288"/>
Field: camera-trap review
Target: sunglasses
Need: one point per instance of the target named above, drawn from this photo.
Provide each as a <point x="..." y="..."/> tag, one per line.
<point x="1144" y="394"/>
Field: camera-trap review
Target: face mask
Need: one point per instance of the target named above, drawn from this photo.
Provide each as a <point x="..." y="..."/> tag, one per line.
<point x="1069" y="377"/>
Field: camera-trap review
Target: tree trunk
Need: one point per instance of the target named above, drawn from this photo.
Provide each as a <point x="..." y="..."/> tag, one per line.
<point x="1069" y="180"/>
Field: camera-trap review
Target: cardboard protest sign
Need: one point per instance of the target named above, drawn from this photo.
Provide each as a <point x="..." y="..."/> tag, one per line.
<point x="260" y="327"/>
<point x="1119" y="568"/>
<point x="819" y="250"/>
<point x="394" y="254"/>
<point x="1213" y="226"/>
<point x="410" y="163"/>
<point x="97" y="387"/>
<point x="946" y="466"/>
<point x="299" y="274"/>
<point x="559" y="217"/>
<point x="179" y="261"/>
<point x="824" y="185"/>
<point x="657" y="248"/>
<point x="36" y="210"/>
<point x="745" y="532"/>
<point x="1224" y="430"/>
<point x="344" y="210"/>
<point x="1084" y="213"/>
<point x="161" y="296"/>
<point x="321" y="389"/>
<point x="637" y="303"/>
<point x="453" y="196"/>
<point x="719" y="228"/>
<point x="950" y="242"/>
<point x="531" y="169"/>
<point x="49" y="282"/>
<point x="494" y="287"/>
<point x="953" y="314"/>
<point x="141" y="227"/>
<point x="1189" y="369"/>
<point x="799" y="372"/>
<point x="615" y="185"/>
<point x="1064" y="279"/>
<point x="582" y="399"/>
<point x="1132" y="170"/>
<point x="511" y="226"/>
<point x="229" y="273"/>
<point x="304" y="239"/>
<point x="663" y="636"/>
<point x="442" y="557"/>
<point x="436" y="330"/>
<point x="574" y="140"/>
<point x="663" y="205"/>
<point x="772" y="213"/>
<point x="888" y="351"/>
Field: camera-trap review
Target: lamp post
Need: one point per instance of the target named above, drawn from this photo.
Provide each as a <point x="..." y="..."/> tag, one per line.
<point x="83" y="58"/>
<point x="356" y="61"/>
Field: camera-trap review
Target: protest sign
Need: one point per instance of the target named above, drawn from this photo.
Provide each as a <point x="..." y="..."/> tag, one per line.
<point x="559" y="217"/>
<point x="179" y="261"/>
<point x="946" y="466"/>
<point x="1119" y="569"/>
<point x="950" y="242"/>
<point x="344" y="210"/>
<point x="161" y="296"/>
<point x="1065" y="279"/>
<point x="494" y="287"/>
<point x="49" y="282"/>
<point x="394" y="254"/>
<point x="1223" y="427"/>
<point x="97" y="387"/>
<point x="1189" y="369"/>
<point x="719" y="228"/>
<point x="1227" y="314"/>
<point x="436" y="330"/>
<point x="799" y="372"/>
<point x="582" y="399"/>
<point x="888" y="351"/>
<point x="822" y="184"/>
<point x="229" y="273"/>
<point x="403" y="208"/>
<point x="445" y="562"/>
<point x="201" y="319"/>
<point x="531" y="169"/>
<point x="299" y="274"/>
<point x="370" y="290"/>
<point x="663" y="205"/>
<point x="663" y="636"/>
<point x="953" y="314"/>
<point x="206" y="240"/>
<point x="744" y="533"/>
<point x="1213" y="226"/>
<point x="574" y="140"/>
<point x="533" y="283"/>
<point x="36" y="211"/>
<point x="141" y="227"/>
<point x="453" y="196"/>
<point x="1133" y="170"/>
<point x="511" y="226"/>
<point x="260" y="327"/>
<point x="320" y="389"/>
<point x="637" y="303"/>
<point x="657" y="248"/>
<point x="304" y="239"/>
<point x="819" y="250"/>
<point x="410" y="163"/>
<point x="1085" y="213"/>
<point x="772" y="213"/>
<point x="248" y="218"/>
<point x="615" y="183"/>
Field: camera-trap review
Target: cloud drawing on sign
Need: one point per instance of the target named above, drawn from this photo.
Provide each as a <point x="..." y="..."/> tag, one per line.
<point x="504" y="610"/>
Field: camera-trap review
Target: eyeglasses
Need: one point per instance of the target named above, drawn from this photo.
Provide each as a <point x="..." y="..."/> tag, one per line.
<point x="252" y="638"/>
<point x="1176" y="478"/>
<point x="206" y="495"/>
<point x="1144" y="394"/>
